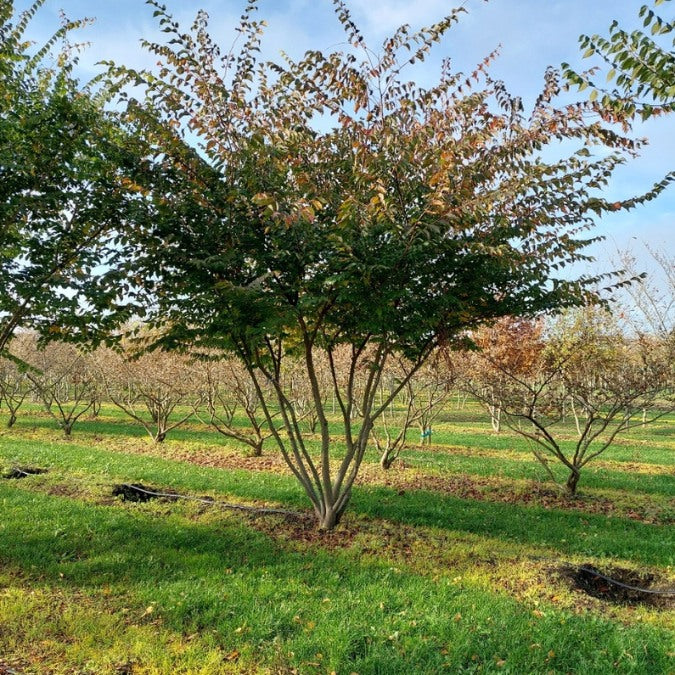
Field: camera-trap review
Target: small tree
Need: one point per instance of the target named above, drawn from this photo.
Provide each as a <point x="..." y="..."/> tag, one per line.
<point x="589" y="367"/>
<point x="419" y="404"/>
<point x="648" y="306"/>
<point x="329" y="206"/>
<point x="61" y="376"/>
<point x="14" y="388"/>
<point x="508" y="349"/>
<point x="150" y="388"/>
<point x="227" y="392"/>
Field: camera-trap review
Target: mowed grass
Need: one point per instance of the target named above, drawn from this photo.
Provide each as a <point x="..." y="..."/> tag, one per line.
<point x="414" y="581"/>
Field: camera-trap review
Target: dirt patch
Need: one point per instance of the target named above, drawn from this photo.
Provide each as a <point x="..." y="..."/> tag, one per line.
<point x="137" y="492"/>
<point x="19" y="472"/>
<point x="63" y="490"/>
<point x="620" y="586"/>
<point x="305" y="531"/>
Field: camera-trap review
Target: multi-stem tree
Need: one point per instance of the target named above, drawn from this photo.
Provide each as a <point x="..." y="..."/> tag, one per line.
<point x="508" y="349"/>
<point x="329" y="205"/>
<point x="61" y="375"/>
<point x="230" y="403"/>
<point x="648" y="306"/>
<point x="14" y="388"/>
<point x="586" y="369"/>
<point x="156" y="389"/>
<point x="420" y="403"/>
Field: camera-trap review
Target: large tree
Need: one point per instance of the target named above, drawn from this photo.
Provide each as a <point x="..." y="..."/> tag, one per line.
<point x="63" y="164"/>
<point x="329" y="208"/>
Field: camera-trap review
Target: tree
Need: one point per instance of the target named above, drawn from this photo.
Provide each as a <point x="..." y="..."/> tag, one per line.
<point x="61" y="377"/>
<point x="155" y="389"/>
<point x="226" y="393"/>
<point x="329" y="206"/>
<point x="63" y="161"/>
<point x="419" y="403"/>
<point x="641" y="65"/>
<point x="508" y="349"/>
<point x="14" y="388"/>
<point x="648" y="307"/>
<point x="586" y="367"/>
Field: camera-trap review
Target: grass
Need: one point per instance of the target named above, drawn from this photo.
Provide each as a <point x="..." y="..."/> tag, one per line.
<point x="415" y="580"/>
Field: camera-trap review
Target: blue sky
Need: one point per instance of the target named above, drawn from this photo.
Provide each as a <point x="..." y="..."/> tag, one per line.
<point x="532" y="35"/>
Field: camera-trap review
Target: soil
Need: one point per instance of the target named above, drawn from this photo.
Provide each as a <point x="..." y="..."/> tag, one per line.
<point x="620" y="586"/>
<point x="19" y="472"/>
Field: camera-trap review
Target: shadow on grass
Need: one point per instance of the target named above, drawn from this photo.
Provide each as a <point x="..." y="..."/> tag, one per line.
<point x="654" y="484"/>
<point x="250" y="594"/>
<point x="103" y="426"/>
<point x="568" y="532"/>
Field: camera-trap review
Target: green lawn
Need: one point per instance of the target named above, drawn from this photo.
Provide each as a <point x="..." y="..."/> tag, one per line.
<point x="414" y="581"/>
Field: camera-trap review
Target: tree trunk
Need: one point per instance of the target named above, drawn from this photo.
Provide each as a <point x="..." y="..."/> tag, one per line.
<point x="387" y="460"/>
<point x="257" y="449"/>
<point x="11" y="420"/>
<point x="160" y="437"/>
<point x="496" y="418"/>
<point x="572" y="480"/>
<point x="331" y="516"/>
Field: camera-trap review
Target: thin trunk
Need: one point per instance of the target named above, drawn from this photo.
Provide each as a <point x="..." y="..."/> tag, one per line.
<point x="496" y="418"/>
<point x="572" y="481"/>
<point x="386" y="460"/>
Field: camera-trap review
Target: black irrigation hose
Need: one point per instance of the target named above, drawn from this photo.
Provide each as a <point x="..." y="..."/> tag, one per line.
<point x="653" y="591"/>
<point x="213" y="502"/>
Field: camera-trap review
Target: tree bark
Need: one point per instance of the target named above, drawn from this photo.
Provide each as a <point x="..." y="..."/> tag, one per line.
<point x="331" y="516"/>
<point x="572" y="480"/>
<point x="386" y="460"/>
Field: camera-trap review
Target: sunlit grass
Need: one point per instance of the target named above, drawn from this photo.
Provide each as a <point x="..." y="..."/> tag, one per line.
<point x="415" y="580"/>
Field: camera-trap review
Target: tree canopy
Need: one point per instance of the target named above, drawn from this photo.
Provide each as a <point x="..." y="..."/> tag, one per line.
<point x="62" y="202"/>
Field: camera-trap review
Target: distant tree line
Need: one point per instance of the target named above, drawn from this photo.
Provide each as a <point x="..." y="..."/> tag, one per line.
<point x="568" y="386"/>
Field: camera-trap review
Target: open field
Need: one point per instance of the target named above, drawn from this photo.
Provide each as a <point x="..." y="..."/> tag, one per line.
<point x="458" y="559"/>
